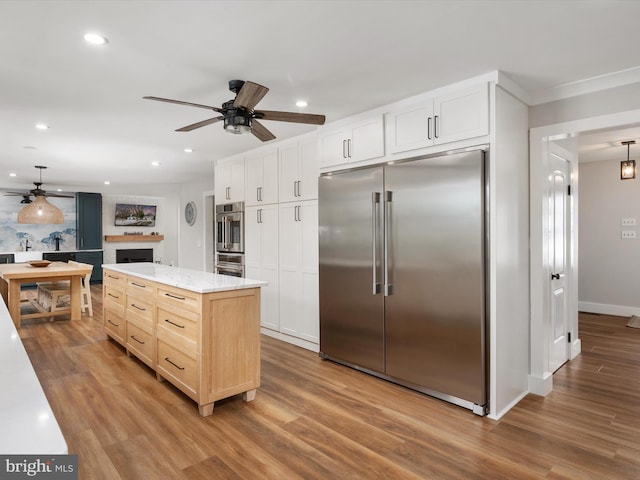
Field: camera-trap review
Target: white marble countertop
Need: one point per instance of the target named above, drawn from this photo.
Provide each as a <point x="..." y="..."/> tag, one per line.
<point x="193" y="280"/>
<point x="27" y="424"/>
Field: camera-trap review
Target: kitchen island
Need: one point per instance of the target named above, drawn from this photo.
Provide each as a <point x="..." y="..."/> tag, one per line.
<point x="198" y="330"/>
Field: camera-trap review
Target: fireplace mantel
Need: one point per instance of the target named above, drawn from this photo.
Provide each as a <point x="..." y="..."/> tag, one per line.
<point x="133" y="238"/>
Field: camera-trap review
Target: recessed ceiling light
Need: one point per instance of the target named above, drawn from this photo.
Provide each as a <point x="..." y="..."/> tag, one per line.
<point x="95" y="39"/>
<point x="13" y="175"/>
<point x="301" y="103"/>
<point x="155" y="164"/>
<point x="58" y="190"/>
<point x="107" y="182"/>
<point x="42" y="126"/>
<point x="188" y="150"/>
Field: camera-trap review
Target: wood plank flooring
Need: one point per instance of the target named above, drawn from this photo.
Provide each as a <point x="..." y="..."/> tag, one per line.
<point x="318" y="420"/>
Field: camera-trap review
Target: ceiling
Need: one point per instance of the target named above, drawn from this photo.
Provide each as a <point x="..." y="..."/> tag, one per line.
<point x="342" y="57"/>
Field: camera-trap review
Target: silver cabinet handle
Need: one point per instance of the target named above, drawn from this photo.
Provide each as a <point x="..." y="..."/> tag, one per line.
<point x="429" y="128"/>
<point x="387" y="227"/>
<point x="344" y="149"/>
<point x="375" y="203"/>
<point x="349" y="148"/>
<point x="435" y="126"/>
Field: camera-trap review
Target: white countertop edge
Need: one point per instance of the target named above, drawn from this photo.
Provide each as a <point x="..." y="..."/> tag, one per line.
<point x="27" y="423"/>
<point x="185" y="278"/>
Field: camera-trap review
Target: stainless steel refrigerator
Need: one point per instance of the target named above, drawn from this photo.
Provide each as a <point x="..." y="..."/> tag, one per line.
<point x="402" y="273"/>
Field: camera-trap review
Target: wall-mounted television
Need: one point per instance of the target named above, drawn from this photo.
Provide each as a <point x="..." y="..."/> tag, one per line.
<point x="129" y="215"/>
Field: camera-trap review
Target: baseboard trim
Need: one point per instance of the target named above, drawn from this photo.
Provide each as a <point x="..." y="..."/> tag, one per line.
<point x="508" y="407"/>
<point x="605" y="309"/>
<point x="299" y="342"/>
<point x="541" y="385"/>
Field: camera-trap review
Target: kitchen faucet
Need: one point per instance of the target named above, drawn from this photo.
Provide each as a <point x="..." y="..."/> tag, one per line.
<point x="26" y="245"/>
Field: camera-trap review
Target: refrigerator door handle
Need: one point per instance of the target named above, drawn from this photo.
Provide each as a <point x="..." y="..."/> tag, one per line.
<point x="375" y="205"/>
<point x="388" y="287"/>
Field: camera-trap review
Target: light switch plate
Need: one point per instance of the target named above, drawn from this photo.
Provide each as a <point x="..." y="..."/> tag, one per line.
<point x="628" y="234"/>
<point x="628" y="222"/>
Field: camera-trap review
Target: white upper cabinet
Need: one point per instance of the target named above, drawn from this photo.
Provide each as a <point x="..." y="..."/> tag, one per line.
<point x="229" y="180"/>
<point x="262" y="177"/>
<point x="442" y="119"/>
<point x="363" y="140"/>
<point x="299" y="171"/>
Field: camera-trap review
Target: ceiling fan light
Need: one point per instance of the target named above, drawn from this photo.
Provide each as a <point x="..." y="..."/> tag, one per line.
<point x="237" y="124"/>
<point x="40" y="211"/>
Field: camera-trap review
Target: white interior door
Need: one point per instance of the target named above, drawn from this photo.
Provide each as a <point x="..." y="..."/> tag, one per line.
<point x="558" y="249"/>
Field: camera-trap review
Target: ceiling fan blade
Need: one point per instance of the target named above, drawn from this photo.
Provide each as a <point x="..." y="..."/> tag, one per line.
<point x="21" y="194"/>
<point x="203" y="123"/>
<point x="260" y="131"/>
<point x="180" y="102"/>
<point x="290" y="117"/>
<point x="58" y="195"/>
<point x="249" y="95"/>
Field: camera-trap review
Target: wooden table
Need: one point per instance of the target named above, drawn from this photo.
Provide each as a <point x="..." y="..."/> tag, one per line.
<point x="13" y="275"/>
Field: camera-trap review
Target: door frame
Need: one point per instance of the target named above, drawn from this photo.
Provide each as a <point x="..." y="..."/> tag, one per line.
<point x="540" y="376"/>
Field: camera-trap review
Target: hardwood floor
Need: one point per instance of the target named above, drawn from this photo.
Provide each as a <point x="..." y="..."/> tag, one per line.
<point x="317" y="420"/>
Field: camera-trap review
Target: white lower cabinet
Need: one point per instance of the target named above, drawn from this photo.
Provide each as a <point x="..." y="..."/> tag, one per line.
<point x="261" y="259"/>
<point x="298" y="252"/>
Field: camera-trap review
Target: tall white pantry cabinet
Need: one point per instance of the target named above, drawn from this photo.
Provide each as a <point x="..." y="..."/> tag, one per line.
<point x="281" y="236"/>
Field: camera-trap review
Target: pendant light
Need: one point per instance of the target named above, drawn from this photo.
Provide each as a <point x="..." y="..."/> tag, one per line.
<point x="628" y="167"/>
<point x="40" y="211"/>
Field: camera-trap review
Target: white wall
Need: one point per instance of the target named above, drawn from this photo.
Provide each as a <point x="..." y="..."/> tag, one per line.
<point x="609" y="275"/>
<point x="192" y="238"/>
<point x="165" y="251"/>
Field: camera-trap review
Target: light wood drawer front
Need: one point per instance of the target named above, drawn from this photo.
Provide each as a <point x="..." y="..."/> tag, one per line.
<point x="114" y="278"/>
<point x="180" y="298"/>
<point x="115" y="325"/>
<point x="178" y="321"/>
<point x="174" y="363"/>
<point x="140" y="342"/>
<point x="140" y="307"/>
<point x="114" y="298"/>
<point x="137" y="286"/>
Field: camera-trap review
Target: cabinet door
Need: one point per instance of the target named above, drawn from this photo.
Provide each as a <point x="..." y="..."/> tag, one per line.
<point x="261" y="259"/>
<point x="261" y="178"/>
<point x="299" y="270"/>
<point x="289" y="172"/>
<point x="222" y="181"/>
<point x="95" y="259"/>
<point x="88" y="221"/>
<point x="309" y="171"/>
<point x="237" y="181"/>
<point x="462" y="114"/>
<point x="255" y="180"/>
<point x="333" y="147"/>
<point x="411" y="128"/>
<point x="367" y="140"/>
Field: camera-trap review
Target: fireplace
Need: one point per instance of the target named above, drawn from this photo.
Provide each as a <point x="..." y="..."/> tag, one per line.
<point x="134" y="255"/>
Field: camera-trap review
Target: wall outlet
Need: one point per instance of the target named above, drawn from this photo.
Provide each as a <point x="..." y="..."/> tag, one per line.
<point x="628" y="234"/>
<point x="628" y="222"/>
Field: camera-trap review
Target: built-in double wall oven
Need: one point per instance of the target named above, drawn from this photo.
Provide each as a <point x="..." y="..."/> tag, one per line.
<point x="230" y="239"/>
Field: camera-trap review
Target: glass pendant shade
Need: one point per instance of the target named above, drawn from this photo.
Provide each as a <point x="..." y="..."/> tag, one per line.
<point x="40" y="211"/>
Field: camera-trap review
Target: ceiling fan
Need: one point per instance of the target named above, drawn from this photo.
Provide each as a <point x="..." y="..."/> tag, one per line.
<point x="37" y="192"/>
<point x="239" y="115"/>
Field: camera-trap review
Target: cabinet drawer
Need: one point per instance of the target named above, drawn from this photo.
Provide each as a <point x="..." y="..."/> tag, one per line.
<point x="178" y="297"/>
<point x="137" y="286"/>
<point x="140" y="342"/>
<point x="110" y="277"/>
<point x="180" y="368"/>
<point x="140" y="307"/>
<point x="114" y="298"/>
<point x="178" y="321"/>
<point x="115" y="325"/>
